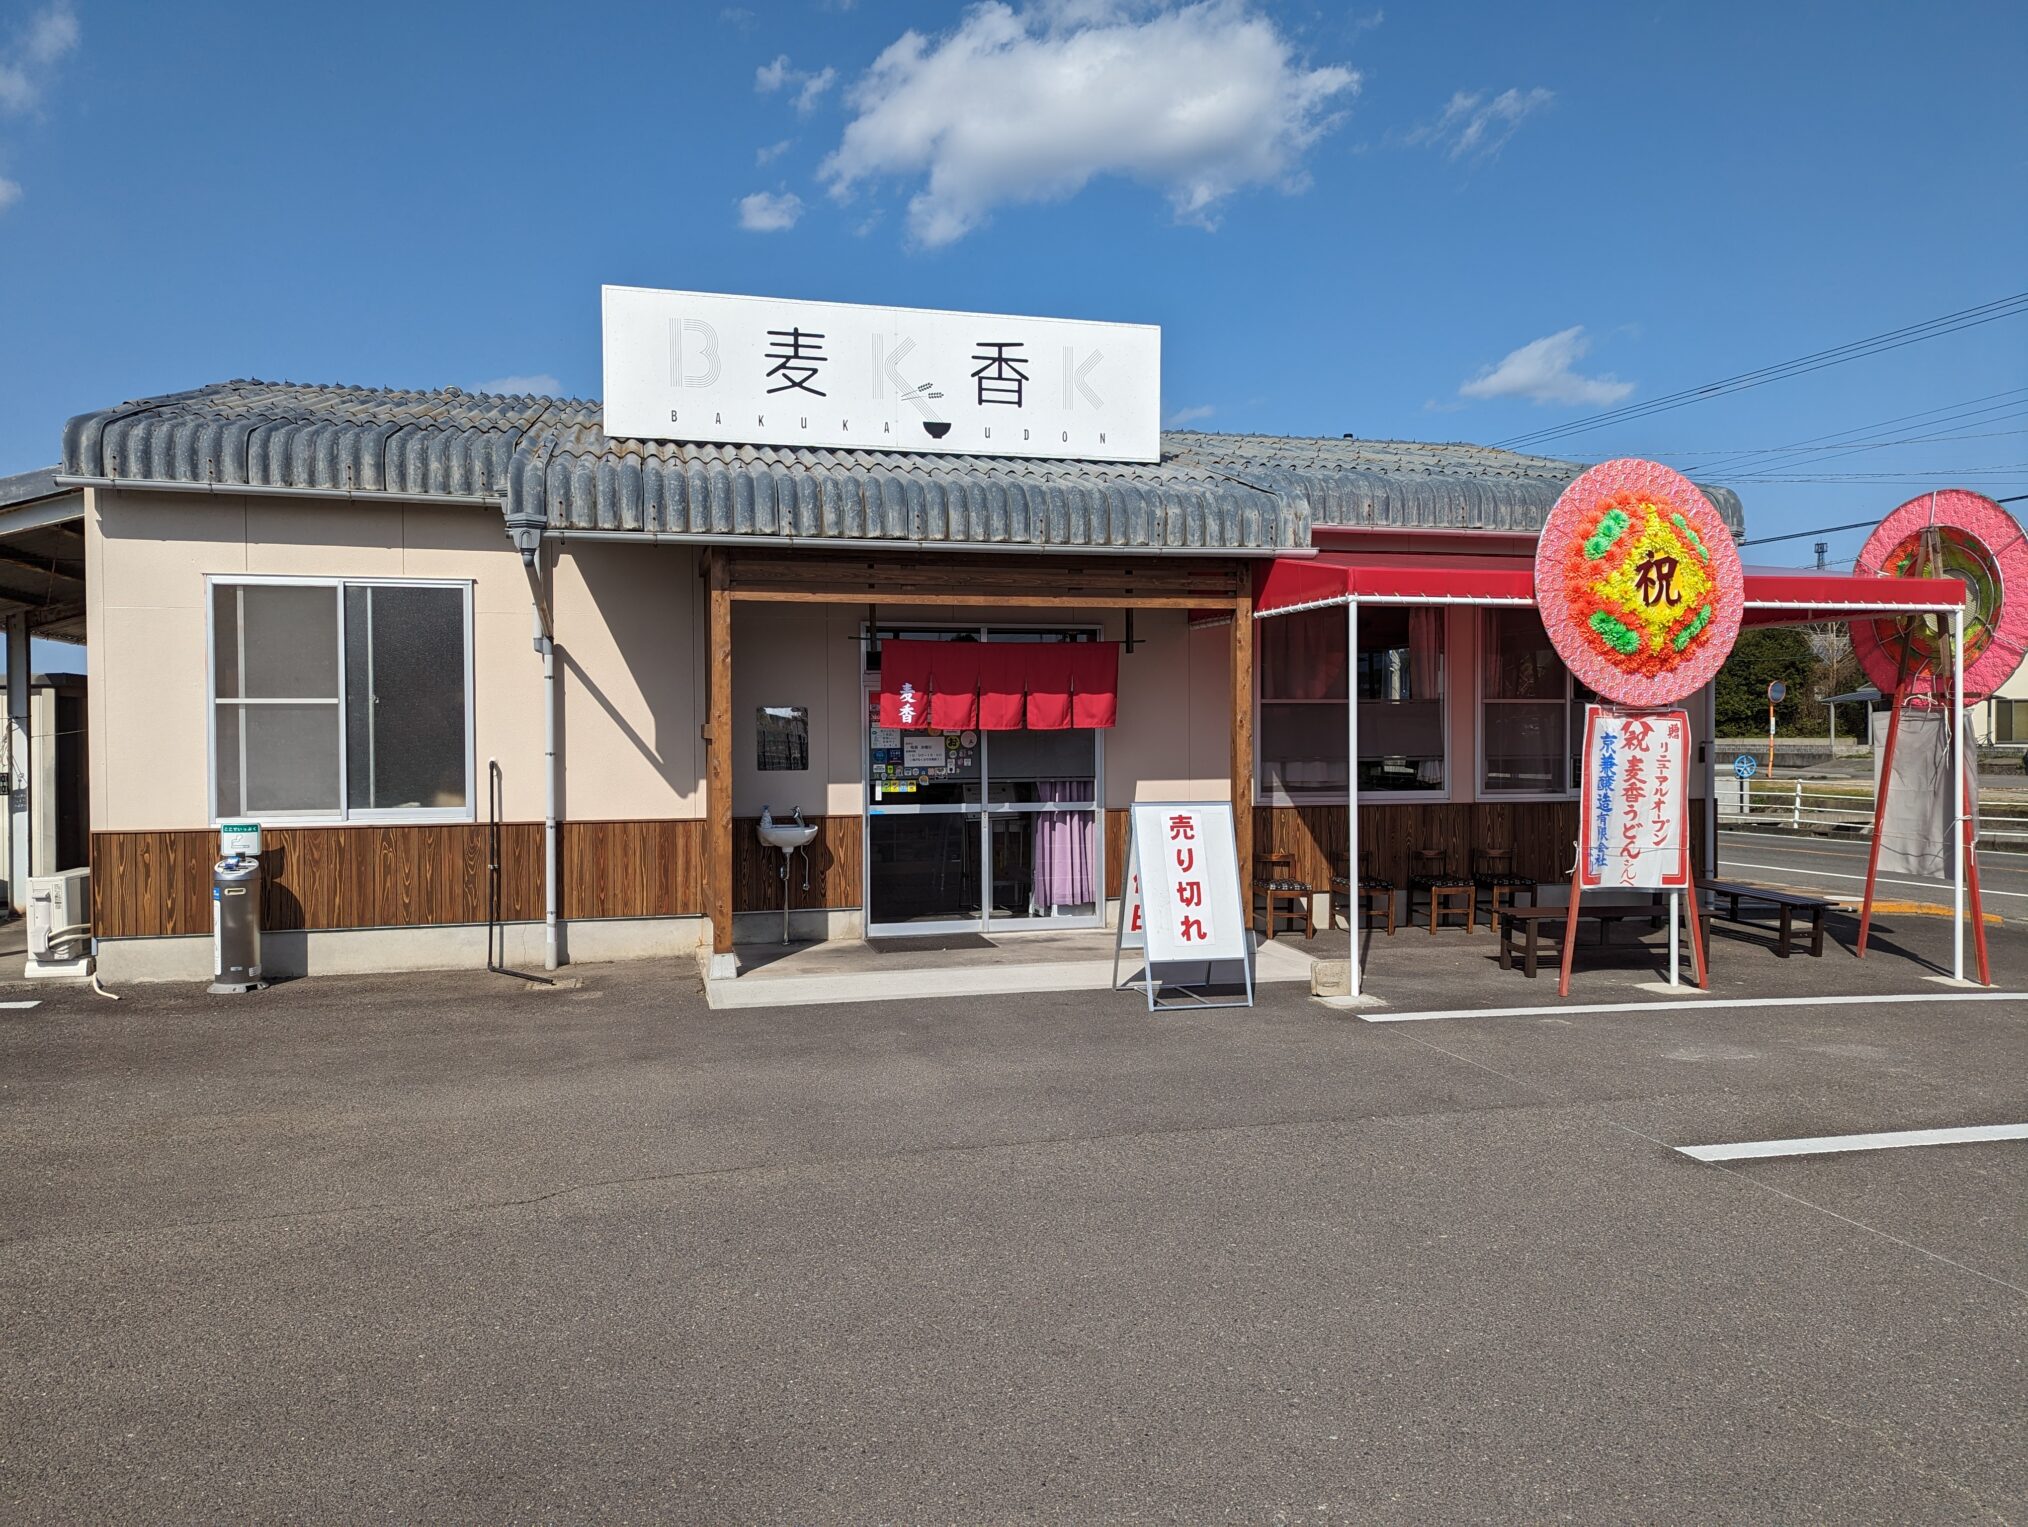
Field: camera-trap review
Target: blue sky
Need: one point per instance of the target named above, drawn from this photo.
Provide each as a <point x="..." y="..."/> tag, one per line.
<point x="1440" y="221"/>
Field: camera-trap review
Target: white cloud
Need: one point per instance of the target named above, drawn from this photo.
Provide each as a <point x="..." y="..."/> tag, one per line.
<point x="1475" y="127"/>
<point x="28" y="65"/>
<point x="25" y="69"/>
<point x="765" y="212"/>
<point x="1014" y="106"/>
<point x="810" y="86"/>
<point x="772" y="151"/>
<point x="1540" y="371"/>
<point x="539" y="384"/>
<point x="1189" y="415"/>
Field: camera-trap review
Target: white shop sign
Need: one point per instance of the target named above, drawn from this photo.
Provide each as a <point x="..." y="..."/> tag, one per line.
<point x="1182" y="905"/>
<point x="1635" y="808"/>
<point x="760" y="371"/>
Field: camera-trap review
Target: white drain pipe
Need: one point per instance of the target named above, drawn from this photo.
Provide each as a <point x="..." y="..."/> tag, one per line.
<point x="530" y="547"/>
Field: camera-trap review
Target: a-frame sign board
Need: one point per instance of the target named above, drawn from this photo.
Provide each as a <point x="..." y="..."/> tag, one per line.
<point x="1634" y="819"/>
<point x="1181" y="906"/>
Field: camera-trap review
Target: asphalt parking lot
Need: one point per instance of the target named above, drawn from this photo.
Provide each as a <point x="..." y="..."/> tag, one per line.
<point x="446" y="1248"/>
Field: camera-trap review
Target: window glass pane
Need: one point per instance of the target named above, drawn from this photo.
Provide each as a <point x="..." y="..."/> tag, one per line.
<point x="291" y="758"/>
<point x="1527" y="744"/>
<point x="225" y="641"/>
<point x="1520" y="664"/>
<point x="290" y="641"/>
<point x="404" y="697"/>
<point x="1401" y="715"/>
<point x="1302" y="656"/>
<point x="225" y="743"/>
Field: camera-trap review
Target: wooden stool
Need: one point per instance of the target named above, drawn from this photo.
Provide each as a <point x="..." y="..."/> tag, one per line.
<point x="1370" y="888"/>
<point x="1493" y="873"/>
<point x="1448" y="894"/>
<point x="1273" y="887"/>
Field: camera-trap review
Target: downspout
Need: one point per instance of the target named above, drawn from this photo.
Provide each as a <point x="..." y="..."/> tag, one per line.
<point x="529" y="544"/>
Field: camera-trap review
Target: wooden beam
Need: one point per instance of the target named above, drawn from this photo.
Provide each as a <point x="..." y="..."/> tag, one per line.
<point x="889" y="594"/>
<point x="718" y="756"/>
<point x="1242" y="739"/>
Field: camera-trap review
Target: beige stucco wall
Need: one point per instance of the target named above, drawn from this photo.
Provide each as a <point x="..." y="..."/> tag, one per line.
<point x="627" y="619"/>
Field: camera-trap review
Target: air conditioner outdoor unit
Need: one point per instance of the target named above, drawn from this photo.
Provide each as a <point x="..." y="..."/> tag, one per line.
<point x="60" y="924"/>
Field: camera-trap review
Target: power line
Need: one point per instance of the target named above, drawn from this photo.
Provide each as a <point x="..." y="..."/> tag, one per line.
<point x="1837" y="355"/>
<point x="1968" y="411"/>
<point x="1986" y="413"/>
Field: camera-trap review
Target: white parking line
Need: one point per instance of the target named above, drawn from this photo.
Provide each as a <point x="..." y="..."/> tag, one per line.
<point x="37" y="1002"/>
<point x="1562" y="1009"/>
<point x="1824" y="1145"/>
<point x="1790" y="869"/>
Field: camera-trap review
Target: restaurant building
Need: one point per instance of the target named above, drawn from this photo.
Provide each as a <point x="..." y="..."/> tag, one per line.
<point x="495" y="682"/>
<point x="326" y="608"/>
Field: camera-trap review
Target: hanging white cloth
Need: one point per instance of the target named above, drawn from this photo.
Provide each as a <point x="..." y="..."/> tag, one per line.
<point x="1918" y="819"/>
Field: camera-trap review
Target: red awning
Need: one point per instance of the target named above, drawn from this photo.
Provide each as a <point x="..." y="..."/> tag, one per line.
<point x="1774" y="596"/>
<point x="998" y="686"/>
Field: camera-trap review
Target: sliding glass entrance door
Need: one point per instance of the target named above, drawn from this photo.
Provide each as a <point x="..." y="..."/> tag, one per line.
<point x="980" y="831"/>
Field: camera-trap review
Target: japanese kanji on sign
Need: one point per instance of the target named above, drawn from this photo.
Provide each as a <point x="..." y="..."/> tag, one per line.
<point x="1640" y="585"/>
<point x="1635" y="808"/>
<point x="1182" y="904"/>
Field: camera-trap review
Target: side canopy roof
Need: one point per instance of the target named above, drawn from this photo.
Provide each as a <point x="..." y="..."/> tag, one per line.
<point x="551" y="468"/>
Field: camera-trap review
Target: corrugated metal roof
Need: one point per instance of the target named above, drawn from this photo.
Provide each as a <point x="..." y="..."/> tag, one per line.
<point x="550" y="464"/>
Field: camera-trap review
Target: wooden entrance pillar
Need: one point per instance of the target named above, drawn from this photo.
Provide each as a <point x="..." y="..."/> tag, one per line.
<point x="718" y="756"/>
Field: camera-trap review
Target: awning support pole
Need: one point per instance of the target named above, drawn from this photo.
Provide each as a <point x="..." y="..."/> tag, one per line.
<point x="1958" y="766"/>
<point x="20" y="761"/>
<point x="1355" y="898"/>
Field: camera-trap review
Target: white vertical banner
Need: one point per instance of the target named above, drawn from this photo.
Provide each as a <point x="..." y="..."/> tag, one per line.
<point x="1181" y="900"/>
<point x="1188" y="865"/>
<point x="1635" y="809"/>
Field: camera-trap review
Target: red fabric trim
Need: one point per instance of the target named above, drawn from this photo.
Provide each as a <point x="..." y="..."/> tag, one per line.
<point x="1094" y="683"/>
<point x="1287" y="582"/>
<point x="1003" y="686"/>
<point x="954" y="686"/>
<point x="998" y="686"/>
<point x="905" y="683"/>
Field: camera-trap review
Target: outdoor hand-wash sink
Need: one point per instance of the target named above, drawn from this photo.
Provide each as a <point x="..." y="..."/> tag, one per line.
<point x="788" y="838"/>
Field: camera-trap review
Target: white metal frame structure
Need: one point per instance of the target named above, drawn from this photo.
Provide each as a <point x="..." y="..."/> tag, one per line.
<point x="1814" y="609"/>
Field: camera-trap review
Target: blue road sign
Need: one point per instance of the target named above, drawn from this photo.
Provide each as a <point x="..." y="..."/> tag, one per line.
<point x="1744" y="766"/>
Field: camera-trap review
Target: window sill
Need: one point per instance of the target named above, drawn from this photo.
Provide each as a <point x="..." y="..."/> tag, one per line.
<point x="444" y="818"/>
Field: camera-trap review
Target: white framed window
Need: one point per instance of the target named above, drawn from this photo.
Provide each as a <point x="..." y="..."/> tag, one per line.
<point x="338" y="699"/>
<point x="1531" y="711"/>
<point x="1404" y="724"/>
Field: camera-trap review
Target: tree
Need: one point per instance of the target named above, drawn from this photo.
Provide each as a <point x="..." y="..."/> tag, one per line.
<point x="1761" y="655"/>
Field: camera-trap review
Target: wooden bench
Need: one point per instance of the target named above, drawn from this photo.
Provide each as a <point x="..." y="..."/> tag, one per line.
<point x="1532" y="918"/>
<point x="1788" y="903"/>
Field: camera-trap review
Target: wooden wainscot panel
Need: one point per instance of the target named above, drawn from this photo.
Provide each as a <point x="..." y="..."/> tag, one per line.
<point x="1391" y="837"/>
<point x="835" y="861"/>
<point x="631" y="869"/>
<point x="1116" y="850"/>
<point x="149" y="884"/>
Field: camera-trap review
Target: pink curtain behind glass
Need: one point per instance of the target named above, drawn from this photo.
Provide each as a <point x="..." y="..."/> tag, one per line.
<point x="1425" y="653"/>
<point x="1063" y="845"/>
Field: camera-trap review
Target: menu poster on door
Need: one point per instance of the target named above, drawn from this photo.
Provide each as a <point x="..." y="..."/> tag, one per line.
<point x="1635" y="807"/>
<point x="1185" y="858"/>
